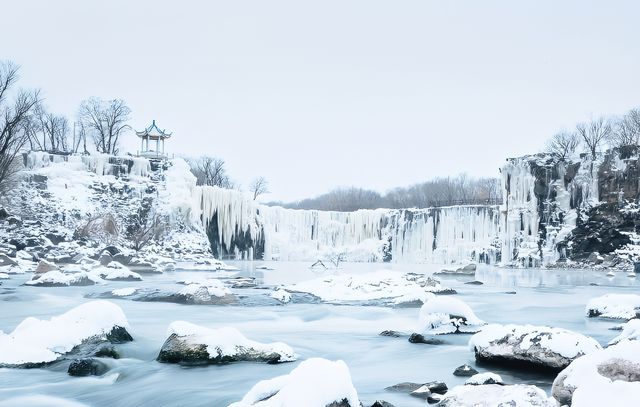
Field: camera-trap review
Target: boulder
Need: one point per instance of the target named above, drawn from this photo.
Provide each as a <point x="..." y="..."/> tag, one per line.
<point x="465" y="371"/>
<point x="484" y="378"/>
<point x="630" y="331"/>
<point x="381" y="403"/>
<point x="112" y="250"/>
<point x="314" y="382"/>
<point x="190" y="344"/>
<point x="6" y="261"/>
<point x="55" y="238"/>
<point x="87" y="367"/>
<point x="45" y="266"/>
<point x="105" y="258"/>
<point x="527" y="346"/>
<point x="419" y="338"/>
<point x="497" y="395"/>
<point x="615" y="306"/>
<point x="411" y="388"/>
<point x="109" y="351"/>
<point x="444" y="315"/>
<point x="57" y="279"/>
<point x="607" y="377"/>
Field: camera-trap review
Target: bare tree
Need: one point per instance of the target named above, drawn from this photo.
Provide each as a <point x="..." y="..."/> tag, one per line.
<point x="145" y="230"/>
<point x="626" y="130"/>
<point x="107" y="120"/>
<point x="594" y="134"/>
<point x="562" y="144"/>
<point x="210" y="171"/>
<point x="79" y="137"/>
<point x="102" y="228"/>
<point x="56" y="129"/>
<point x="14" y="122"/>
<point x="258" y="187"/>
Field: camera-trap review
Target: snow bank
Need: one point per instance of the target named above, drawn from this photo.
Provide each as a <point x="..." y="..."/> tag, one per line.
<point x="444" y="315"/>
<point x="222" y="345"/>
<point x="57" y="278"/>
<point x="39" y="341"/>
<point x="618" y="306"/>
<point x="490" y="395"/>
<point x="538" y="346"/>
<point x="607" y="377"/>
<point x="315" y="382"/>
<point x="380" y="285"/>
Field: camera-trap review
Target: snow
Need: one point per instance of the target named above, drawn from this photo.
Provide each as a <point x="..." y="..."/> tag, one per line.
<point x="562" y="342"/>
<point x="59" y="278"/>
<point x="281" y="295"/>
<point x="490" y="395"/>
<point x="37" y="341"/>
<point x="443" y="315"/>
<point x="630" y="331"/>
<point x="4" y="276"/>
<point x="482" y="378"/>
<point x="382" y="284"/>
<point x="213" y="286"/>
<point x="588" y="378"/>
<point x="617" y="306"/>
<point x="315" y="382"/>
<point x="116" y="271"/>
<point x="227" y="341"/>
<point x="124" y="292"/>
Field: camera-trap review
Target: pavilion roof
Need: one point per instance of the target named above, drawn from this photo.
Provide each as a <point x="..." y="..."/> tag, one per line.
<point x="153" y="131"/>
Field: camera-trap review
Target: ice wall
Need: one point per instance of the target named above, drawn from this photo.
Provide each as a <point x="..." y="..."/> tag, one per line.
<point x="100" y="164"/>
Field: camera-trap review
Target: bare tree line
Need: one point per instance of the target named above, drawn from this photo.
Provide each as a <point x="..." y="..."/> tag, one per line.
<point x="592" y="136"/>
<point x="212" y="171"/>
<point x="445" y="191"/>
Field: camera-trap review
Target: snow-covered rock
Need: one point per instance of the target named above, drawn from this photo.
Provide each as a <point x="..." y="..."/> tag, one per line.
<point x="124" y="292"/>
<point x="210" y="291"/>
<point x="281" y="295"/>
<point x="58" y="279"/>
<point x="4" y="276"/>
<point x="490" y="395"/>
<point x="117" y="272"/>
<point x="617" y="306"/>
<point x="630" y="331"/>
<point x="444" y="315"/>
<point x="45" y="266"/>
<point x="191" y="344"/>
<point x="315" y="382"/>
<point x="383" y="285"/>
<point x="530" y="346"/>
<point x="484" y="378"/>
<point x="608" y="377"/>
<point x="34" y="342"/>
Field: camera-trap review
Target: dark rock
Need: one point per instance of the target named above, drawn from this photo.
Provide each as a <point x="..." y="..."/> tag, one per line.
<point x="55" y="238"/>
<point x="112" y="250"/>
<point x="418" y="338"/>
<point x="404" y="387"/>
<point x="393" y="334"/>
<point x="14" y="221"/>
<point x="475" y="282"/>
<point x="19" y="244"/>
<point x="105" y="258"/>
<point x="465" y="371"/>
<point x="107" y="352"/>
<point x="119" y="335"/>
<point x="6" y="261"/>
<point x="122" y="259"/>
<point x="3" y="214"/>
<point x="87" y="367"/>
<point x="382" y="403"/>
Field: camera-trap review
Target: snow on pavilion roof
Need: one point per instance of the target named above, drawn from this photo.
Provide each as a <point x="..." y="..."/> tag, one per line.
<point x="153" y="132"/>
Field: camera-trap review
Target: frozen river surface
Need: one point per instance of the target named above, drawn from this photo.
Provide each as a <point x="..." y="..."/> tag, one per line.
<point x="351" y="333"/>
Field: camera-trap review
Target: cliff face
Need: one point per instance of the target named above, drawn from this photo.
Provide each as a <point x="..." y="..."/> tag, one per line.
<point x="556" y="211"/>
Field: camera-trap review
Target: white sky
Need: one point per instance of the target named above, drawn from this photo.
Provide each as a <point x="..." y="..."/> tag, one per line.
<point x="319" y="94"/>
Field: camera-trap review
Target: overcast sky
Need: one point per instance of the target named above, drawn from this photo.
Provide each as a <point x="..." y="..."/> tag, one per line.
<point x="315" y="95"/>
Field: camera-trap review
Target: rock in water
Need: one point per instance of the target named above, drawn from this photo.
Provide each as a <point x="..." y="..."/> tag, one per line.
<point x="418" y="338"/>
<point x="607" y="377"/>
<point x="381" y="403"/>
<point x="315" y="382"/>
<point x="465" y="371"/>
<point x="191" y="344"/>
<point x="484" y="378"/>
<point x="87" y="367"/>
<point x="497" y="395"/>
<point x="527" y="346"/>
<point x="444" y="315"/>
<point x="615" y="306"/>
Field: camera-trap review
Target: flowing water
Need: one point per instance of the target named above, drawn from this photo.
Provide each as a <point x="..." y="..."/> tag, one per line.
<point x="543" y="297"/>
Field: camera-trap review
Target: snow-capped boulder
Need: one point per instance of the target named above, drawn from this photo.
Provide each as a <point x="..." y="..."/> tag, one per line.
<point x="529" y="346"/>
<point x="115" y="271"/>
<point x="191" y="344"/>
<point x="6" y="261"/>
<point x="608" y="377"/>
<point x="35" y="342"/>
<point x="630" y="331"/>
<point x="124" y="292"/>
<point x="315" y="382"/>
<point x="281" y="295"/>
<point x="382" y="286"/>
<point x="617" y="306"/>
<point x="445" y="315"/>
<point x="497" y="395"/>
<point x="210" y="291"/>
<point x="58" y="279"/>
<point x="484" y="378"/>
